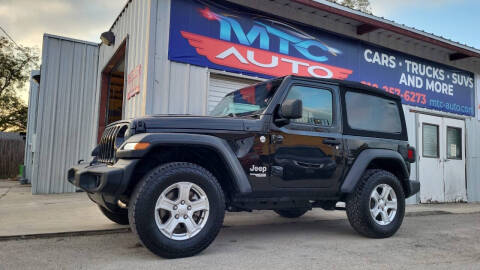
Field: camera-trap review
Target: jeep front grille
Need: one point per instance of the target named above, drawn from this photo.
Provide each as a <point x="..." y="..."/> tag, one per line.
<point x="107" y="145"/>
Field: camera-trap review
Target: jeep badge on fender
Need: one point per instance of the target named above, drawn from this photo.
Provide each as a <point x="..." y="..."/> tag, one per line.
<point x="258" y="171"/>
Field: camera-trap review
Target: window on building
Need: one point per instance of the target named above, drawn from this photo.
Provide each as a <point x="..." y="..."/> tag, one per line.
<point x="454" y="143"/>
<point x="372" y="113"/>
<point x="430" y="140"/>
<point x="317" y="105"/>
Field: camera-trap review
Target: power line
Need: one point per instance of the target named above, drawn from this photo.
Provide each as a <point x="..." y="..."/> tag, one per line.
<point x="5" y="32"/>
<point x="20" y="48"/>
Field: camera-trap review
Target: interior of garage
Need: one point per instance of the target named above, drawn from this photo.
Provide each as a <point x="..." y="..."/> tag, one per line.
<point x="115" y="92"/>
<point x="112" y="90"/>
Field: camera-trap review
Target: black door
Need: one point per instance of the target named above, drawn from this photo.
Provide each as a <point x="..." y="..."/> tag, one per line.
<point x="308" y="152"/>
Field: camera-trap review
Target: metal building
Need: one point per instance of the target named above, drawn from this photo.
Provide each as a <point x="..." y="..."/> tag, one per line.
<point x="160" y="56"/>
<point x="63" y="124"/>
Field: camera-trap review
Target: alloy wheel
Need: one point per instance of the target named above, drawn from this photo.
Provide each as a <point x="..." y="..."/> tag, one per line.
<point x="383" y="204"/>
<point x="181" y="211"/>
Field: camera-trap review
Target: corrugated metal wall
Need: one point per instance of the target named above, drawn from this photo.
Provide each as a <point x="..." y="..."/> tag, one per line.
<point x="473" y="152"/>
<point x="132" y="24"/>
<point x="66" y="115"/>
<point x="177" y="88"/>
<point x="31" y="125"/>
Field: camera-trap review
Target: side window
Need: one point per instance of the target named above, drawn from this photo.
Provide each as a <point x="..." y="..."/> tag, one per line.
<point x="317" y="105"/>
<point x="430" y="140"/>
<point x="454" y="143"/>
<point x="372" y="113"/>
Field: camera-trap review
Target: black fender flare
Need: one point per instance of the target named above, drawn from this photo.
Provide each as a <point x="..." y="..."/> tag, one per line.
<point x="220" y="146"/>
<point x="364" y="159"/>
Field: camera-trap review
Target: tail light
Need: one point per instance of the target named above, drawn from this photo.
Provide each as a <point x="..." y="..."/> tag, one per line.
<point x="411" y="154"/>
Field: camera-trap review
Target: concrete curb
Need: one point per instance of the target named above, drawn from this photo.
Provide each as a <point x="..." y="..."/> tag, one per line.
<point x="62" y="234"/>
<point x="432" y="213"/>
<point x="126" y="230"/>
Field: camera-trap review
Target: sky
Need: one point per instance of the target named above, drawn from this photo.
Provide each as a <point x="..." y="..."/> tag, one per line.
<point x="457" y="20"/>
<point x="27" y="20"/>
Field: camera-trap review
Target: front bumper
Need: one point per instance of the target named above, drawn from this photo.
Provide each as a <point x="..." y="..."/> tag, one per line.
<point x="103" y="183"/>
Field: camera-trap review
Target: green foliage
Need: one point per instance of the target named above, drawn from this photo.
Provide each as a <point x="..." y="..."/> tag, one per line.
<point x="13" y="113"/>
<point x="15" y="66"/>
<point x="361" y="5"/>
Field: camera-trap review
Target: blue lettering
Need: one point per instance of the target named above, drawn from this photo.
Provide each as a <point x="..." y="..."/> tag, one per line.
<point x="227" y="24"/>
<point x="303" y="47"/>
<point x="261" y="32"/>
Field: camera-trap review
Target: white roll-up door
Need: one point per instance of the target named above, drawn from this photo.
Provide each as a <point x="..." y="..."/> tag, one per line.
<point x="220" y="85"/>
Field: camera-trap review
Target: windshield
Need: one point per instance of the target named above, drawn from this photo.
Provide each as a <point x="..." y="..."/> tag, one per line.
<point x="247" y="101"/>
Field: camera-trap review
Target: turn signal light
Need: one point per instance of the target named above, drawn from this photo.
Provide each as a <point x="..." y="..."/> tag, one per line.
<point x="136" y="146"/>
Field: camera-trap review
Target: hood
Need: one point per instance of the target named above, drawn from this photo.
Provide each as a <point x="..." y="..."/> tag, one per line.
<point x="163" y="122"/>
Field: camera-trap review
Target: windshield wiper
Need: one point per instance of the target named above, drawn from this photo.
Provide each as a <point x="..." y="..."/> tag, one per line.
<point x="251" y="114"/>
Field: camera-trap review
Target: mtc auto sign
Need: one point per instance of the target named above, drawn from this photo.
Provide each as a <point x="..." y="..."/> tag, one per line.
<point x="239" y="40"/>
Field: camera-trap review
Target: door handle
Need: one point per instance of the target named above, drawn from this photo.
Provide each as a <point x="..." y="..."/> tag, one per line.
<point x="332" y="141"/>
<point x="276" y="139"/>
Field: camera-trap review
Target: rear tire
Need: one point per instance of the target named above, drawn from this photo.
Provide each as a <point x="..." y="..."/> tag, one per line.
<point x="291" y="213"/>
<point x="119" y="217"/>
<point x="164" y="211"/>
<point x="377" y="207"/>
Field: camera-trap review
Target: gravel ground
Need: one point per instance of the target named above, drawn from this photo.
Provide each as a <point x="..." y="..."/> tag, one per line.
<point x="435" y="241"/>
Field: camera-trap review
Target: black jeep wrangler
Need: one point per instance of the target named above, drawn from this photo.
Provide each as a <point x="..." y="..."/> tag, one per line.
<point x="288" y="145"/>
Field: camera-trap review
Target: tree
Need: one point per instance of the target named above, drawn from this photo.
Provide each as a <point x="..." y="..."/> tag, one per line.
<point x="16" y="62"/>
<point x="13" y="113"/>
<point x="361" y="5"/>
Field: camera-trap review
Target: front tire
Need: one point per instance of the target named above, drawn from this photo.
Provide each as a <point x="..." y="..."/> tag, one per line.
<point x="291" y="213"/>
<point x="177" y="210"/>
<point x="377" y="207"/>
<point x="119" y="217"/>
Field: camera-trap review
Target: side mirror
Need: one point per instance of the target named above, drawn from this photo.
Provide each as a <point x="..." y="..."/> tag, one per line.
<point x="291" y="109"/>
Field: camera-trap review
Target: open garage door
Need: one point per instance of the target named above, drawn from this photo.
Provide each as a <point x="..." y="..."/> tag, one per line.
<point x="221" y="85"/>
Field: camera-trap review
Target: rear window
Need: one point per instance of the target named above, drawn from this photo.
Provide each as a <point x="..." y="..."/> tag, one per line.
<point x="372" y="113"/>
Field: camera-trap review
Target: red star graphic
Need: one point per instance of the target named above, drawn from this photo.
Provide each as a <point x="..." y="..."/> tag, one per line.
<point x="208" y="14"/>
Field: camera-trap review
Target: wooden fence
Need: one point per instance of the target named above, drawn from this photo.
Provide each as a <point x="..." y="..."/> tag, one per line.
<point x="12" y="149"/>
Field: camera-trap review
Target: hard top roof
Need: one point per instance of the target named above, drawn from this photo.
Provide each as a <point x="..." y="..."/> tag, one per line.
<point x="347" y="84"/>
